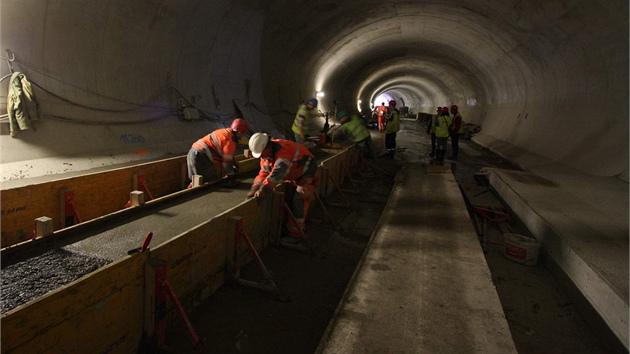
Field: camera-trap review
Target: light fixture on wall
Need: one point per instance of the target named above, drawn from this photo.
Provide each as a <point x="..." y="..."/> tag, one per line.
<point x="319" y="94"/>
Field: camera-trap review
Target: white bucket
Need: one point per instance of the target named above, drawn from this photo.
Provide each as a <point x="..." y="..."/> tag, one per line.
<point x="521" y="249"/>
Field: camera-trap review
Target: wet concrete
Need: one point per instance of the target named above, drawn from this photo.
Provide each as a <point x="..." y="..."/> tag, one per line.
<point x="24" y="281"/>
<point x="35" y="270"/>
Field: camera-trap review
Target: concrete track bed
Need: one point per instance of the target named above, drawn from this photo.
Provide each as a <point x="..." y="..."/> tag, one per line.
<point x="113" y="299"/>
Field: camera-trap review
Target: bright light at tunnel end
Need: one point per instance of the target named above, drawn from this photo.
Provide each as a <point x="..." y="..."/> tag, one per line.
<point x="319" y="94"/>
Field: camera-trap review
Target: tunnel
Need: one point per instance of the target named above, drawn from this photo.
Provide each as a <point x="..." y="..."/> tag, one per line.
<point x="117" y="82"/>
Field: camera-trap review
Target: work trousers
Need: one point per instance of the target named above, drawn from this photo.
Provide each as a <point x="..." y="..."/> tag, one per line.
<point x="390" y="141"/>
<point x="455" y="144"/>
<point x="368" y="147"/>
<point x="299" y="204"/>
<point x="200" y="164"/>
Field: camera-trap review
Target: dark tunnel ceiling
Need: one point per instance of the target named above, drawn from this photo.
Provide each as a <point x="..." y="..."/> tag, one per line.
<point x="435" y="51"/>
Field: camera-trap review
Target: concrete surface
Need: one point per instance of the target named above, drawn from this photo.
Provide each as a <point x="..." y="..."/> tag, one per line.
<point x="563" y="321"/>
<point x="423" y="285"/>
<point x="589" y="240"/>
<point x="543" y="78"/>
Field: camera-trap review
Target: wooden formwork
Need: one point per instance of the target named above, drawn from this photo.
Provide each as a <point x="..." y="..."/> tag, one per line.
<point x="105" y="312"/>
<point x="331" y="169"/>
<point x="95" y="195"/>
<point x="108" y="311"/>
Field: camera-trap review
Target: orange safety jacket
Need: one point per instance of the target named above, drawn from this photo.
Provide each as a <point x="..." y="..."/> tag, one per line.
<point x="220" y="147"/>
<point x="289" y="161"/>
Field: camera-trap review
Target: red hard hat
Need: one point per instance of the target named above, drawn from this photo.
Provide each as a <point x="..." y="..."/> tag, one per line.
<point x="439" y="109"/>
<point x="454" y="107"/>
<point x="444" y="109"/>
<point x="240" y="125"/>
<point x="392" y="103"/>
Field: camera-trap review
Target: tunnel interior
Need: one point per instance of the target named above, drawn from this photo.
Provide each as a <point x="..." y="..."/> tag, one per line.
<point x="117" y="82"/>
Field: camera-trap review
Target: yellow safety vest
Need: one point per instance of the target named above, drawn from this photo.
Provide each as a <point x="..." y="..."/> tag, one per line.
<point x="441" y="130"/>
<point x="393" y="124"/>
<point x="355" y="128"/>
<point x="300" y="123"/>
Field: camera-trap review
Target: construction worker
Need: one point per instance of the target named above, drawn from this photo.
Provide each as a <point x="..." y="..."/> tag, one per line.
<point x="352" y="127"/>
<point x="457" y="128"/>
<point x="302" y="118"/>
<point x="212" y="156"/>
<point x="381" y="111"/>
<point x="284" y="160"/>
<point x="393" y="126"/>
<point x="431" y="130"/>
<point x="442" y="124"/>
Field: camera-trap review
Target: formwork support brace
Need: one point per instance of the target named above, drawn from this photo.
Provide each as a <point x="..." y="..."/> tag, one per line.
<point x="488" y="214"/>
<point x="346" y="202"/>
<point x="70" y="210"/>
<point x="236" y="271"/>
<point x="362" y="164"/>
<point x="347" y="171"/>
<point x="326" y="213"/>
<point x="158" y="288"/>
<point x="140" y="184"/>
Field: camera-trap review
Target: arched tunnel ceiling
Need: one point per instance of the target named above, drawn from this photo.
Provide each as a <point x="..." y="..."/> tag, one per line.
<point x="429" y="48"/>
<point x="511" y="65"/>
<point x="456" y="40"/>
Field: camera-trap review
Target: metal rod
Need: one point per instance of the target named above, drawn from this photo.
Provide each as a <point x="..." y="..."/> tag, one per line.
<point x="182" y="313"/>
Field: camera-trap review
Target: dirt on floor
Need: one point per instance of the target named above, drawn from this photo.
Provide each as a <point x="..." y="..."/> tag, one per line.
<point x="248" y="320"/>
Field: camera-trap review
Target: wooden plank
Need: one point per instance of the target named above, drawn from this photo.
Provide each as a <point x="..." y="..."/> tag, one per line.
<point x="105" y="301"/>
<point x="96" y="194"/>
<point x="439" y="169"/>
<point x="196" y="259"/>
<point x="248" y="165"/>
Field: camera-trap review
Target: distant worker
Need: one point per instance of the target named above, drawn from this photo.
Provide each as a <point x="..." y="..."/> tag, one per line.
<point x="353" y="128"/>
<point x="212" y="156"/>
<point x="284" y="160"/>
<point x="457" y="128"/>
<point x="431" y="130"/>
<point x="393" y="126"/>
<point x="381" y="112"/>
<point x="442" y="124"/>
<point x="302" y="120"/>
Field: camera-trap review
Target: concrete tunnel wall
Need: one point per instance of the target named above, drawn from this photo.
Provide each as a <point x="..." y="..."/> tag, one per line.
<point x="547" y="80"/>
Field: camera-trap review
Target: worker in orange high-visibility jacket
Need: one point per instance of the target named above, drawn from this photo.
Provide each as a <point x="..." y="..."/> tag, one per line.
<point x="212" y="156"/>
<point x="285" y="161"/>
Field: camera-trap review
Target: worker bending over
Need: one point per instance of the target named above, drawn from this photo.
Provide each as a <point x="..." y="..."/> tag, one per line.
<point x="284" y="160"/>
<point x="212" y="156"/>
<point x="353" y="128"/>
<point x="302" y="118"/>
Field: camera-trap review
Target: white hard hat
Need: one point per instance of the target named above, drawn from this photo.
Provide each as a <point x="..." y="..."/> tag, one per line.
<point x="257" y="143"/>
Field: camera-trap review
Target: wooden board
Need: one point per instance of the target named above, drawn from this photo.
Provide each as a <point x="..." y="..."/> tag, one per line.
<point x="439" y="169"/>
<point x="96" y="313"/>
